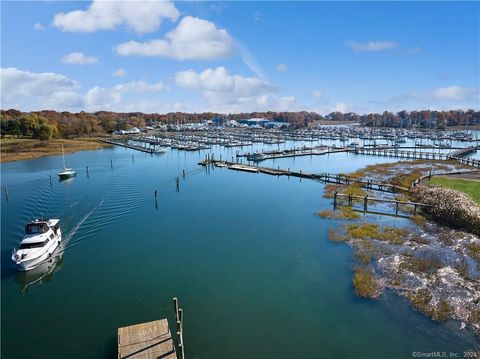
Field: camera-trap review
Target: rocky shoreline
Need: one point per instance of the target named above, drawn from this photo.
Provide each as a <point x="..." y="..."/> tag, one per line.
<point x="435" y="267"/>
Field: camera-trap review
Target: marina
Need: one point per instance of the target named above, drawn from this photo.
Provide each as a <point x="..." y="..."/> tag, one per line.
<point x="239" y="180"/>
<point x="98" y="210"/>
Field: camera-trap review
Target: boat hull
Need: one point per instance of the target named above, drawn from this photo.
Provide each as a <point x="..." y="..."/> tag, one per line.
<point x="63" y="176"/>
<point x="28" y="264"/>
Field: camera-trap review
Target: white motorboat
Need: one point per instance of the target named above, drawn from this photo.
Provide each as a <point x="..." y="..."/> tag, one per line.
<point x="67" y="172"/>
<point x="42" y="238"/>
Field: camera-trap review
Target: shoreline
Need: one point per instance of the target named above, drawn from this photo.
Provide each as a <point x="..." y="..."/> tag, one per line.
<point x="13" y="149"/>
<point x="432" y="261"/>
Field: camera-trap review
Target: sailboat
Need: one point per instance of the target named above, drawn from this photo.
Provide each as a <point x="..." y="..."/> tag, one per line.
<point x="67" y="172"/>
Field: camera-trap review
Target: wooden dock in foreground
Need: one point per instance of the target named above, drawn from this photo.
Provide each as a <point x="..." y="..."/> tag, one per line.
<point x="152" y="340"/>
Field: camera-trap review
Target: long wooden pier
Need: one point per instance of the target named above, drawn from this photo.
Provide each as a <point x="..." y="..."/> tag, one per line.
<point x="324" y="177"/>
<point x="458" y="155"/>
<point x="351" y="198"/>
<point x="400" y="153"/>
<point x="294" y="152"/>
<point x="124" y="143"/>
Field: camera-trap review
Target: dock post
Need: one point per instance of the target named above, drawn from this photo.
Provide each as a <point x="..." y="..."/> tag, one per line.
<point x="365" y="203"/>
<point x="396" y="209"/>
<point x="50" y="180"/>
<point x="6" y="193"/>
<point x="133" y="159"/>
<point x="155" y="194"/>
<point x="111" y="163"/>
<point x="177" y="180"/>
<point x="175" y="307"/>
<point x="183" y="174"/>
<point x="414" y="209"/>
<point x="335" y="200"/>
<point x="88" y="174"/>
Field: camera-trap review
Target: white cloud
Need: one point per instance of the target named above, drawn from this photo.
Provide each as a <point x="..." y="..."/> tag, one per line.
<point x="99" y="98"/>
<point x="281" y="67"/>
<point x="120" y="73"/>
<point x="39" y="27"/>
<point x="38" y="91"/>
<point x="78" y="58"/>
<point x="219" y="80"/>
<point x="454" y="92"/>
<point x="317" y="94"/>
<point x="192" y="39"/>
<point x="342" y="107"/>
<point x="225" y="92"/>
<point x="141" y="17"/>
<point x="371" y="46"/>
<point x="29" y="90"/>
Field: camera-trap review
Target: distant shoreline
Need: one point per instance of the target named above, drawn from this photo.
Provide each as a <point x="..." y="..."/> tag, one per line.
<point x="17" y="149"/>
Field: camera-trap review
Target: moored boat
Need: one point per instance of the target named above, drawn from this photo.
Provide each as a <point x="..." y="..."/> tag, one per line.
<point x="67" y="172"/>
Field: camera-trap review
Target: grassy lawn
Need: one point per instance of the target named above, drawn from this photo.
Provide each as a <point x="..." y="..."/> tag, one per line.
<point x="13" y="149"/>
<point x="470" y="187"/>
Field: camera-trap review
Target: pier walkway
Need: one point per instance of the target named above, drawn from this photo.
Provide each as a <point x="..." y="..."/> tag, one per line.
<point x="458" y="155"/>
<point x="324" y="177"/>
<point x="125" y="143"/>
<point x="294" y="152"/>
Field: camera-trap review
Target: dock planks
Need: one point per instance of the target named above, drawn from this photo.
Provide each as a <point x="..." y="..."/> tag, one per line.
<point x="151" y="340"/>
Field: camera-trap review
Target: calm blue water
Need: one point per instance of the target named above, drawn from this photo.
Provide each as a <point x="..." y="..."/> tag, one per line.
<point x="245" y="253"/>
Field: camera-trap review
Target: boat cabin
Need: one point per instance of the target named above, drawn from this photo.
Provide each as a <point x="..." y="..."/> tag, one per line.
<point x="36" y="228"/>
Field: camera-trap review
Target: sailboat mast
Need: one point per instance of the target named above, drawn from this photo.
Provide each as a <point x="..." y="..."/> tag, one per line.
<point x="63" y="154"/>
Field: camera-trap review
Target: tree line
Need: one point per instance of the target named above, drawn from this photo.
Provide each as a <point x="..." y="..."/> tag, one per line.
<point x="48" y="124"/>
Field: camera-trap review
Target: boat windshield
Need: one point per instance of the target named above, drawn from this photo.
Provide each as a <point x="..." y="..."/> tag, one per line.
<point x="33" y="245"/>
<point x="34" y="228"/>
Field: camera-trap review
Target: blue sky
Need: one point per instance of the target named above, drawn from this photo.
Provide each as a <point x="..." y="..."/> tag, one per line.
<point x="240" y="56"/>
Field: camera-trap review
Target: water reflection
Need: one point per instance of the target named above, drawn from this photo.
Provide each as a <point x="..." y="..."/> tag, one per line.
<point x="41" y="274"/>
<point x="66" y="181"/>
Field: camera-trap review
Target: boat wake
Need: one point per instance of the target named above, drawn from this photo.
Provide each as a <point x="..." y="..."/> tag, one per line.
<point x="75" y="229"/>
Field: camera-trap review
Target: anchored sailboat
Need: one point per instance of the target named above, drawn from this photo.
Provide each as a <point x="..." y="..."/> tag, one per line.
<point x="67" y="172"/>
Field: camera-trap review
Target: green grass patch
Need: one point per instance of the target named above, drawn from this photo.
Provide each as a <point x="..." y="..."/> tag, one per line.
<point x="470" y="187"/>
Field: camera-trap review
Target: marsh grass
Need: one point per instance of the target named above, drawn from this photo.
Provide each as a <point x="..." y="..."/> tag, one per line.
<point x="420" y="265"/>
<point x="365" y="283"/>
<point x="27" y="149"/>
<point x="421" y="300"/>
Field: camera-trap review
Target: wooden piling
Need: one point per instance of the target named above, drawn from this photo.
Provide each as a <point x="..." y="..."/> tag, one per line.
<point x="365" y="203"/>
<point x="50" y="180"/>
<point x="175" y="307"/>
<point x="6" y="193"/>
<point x="335" y="201"/>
